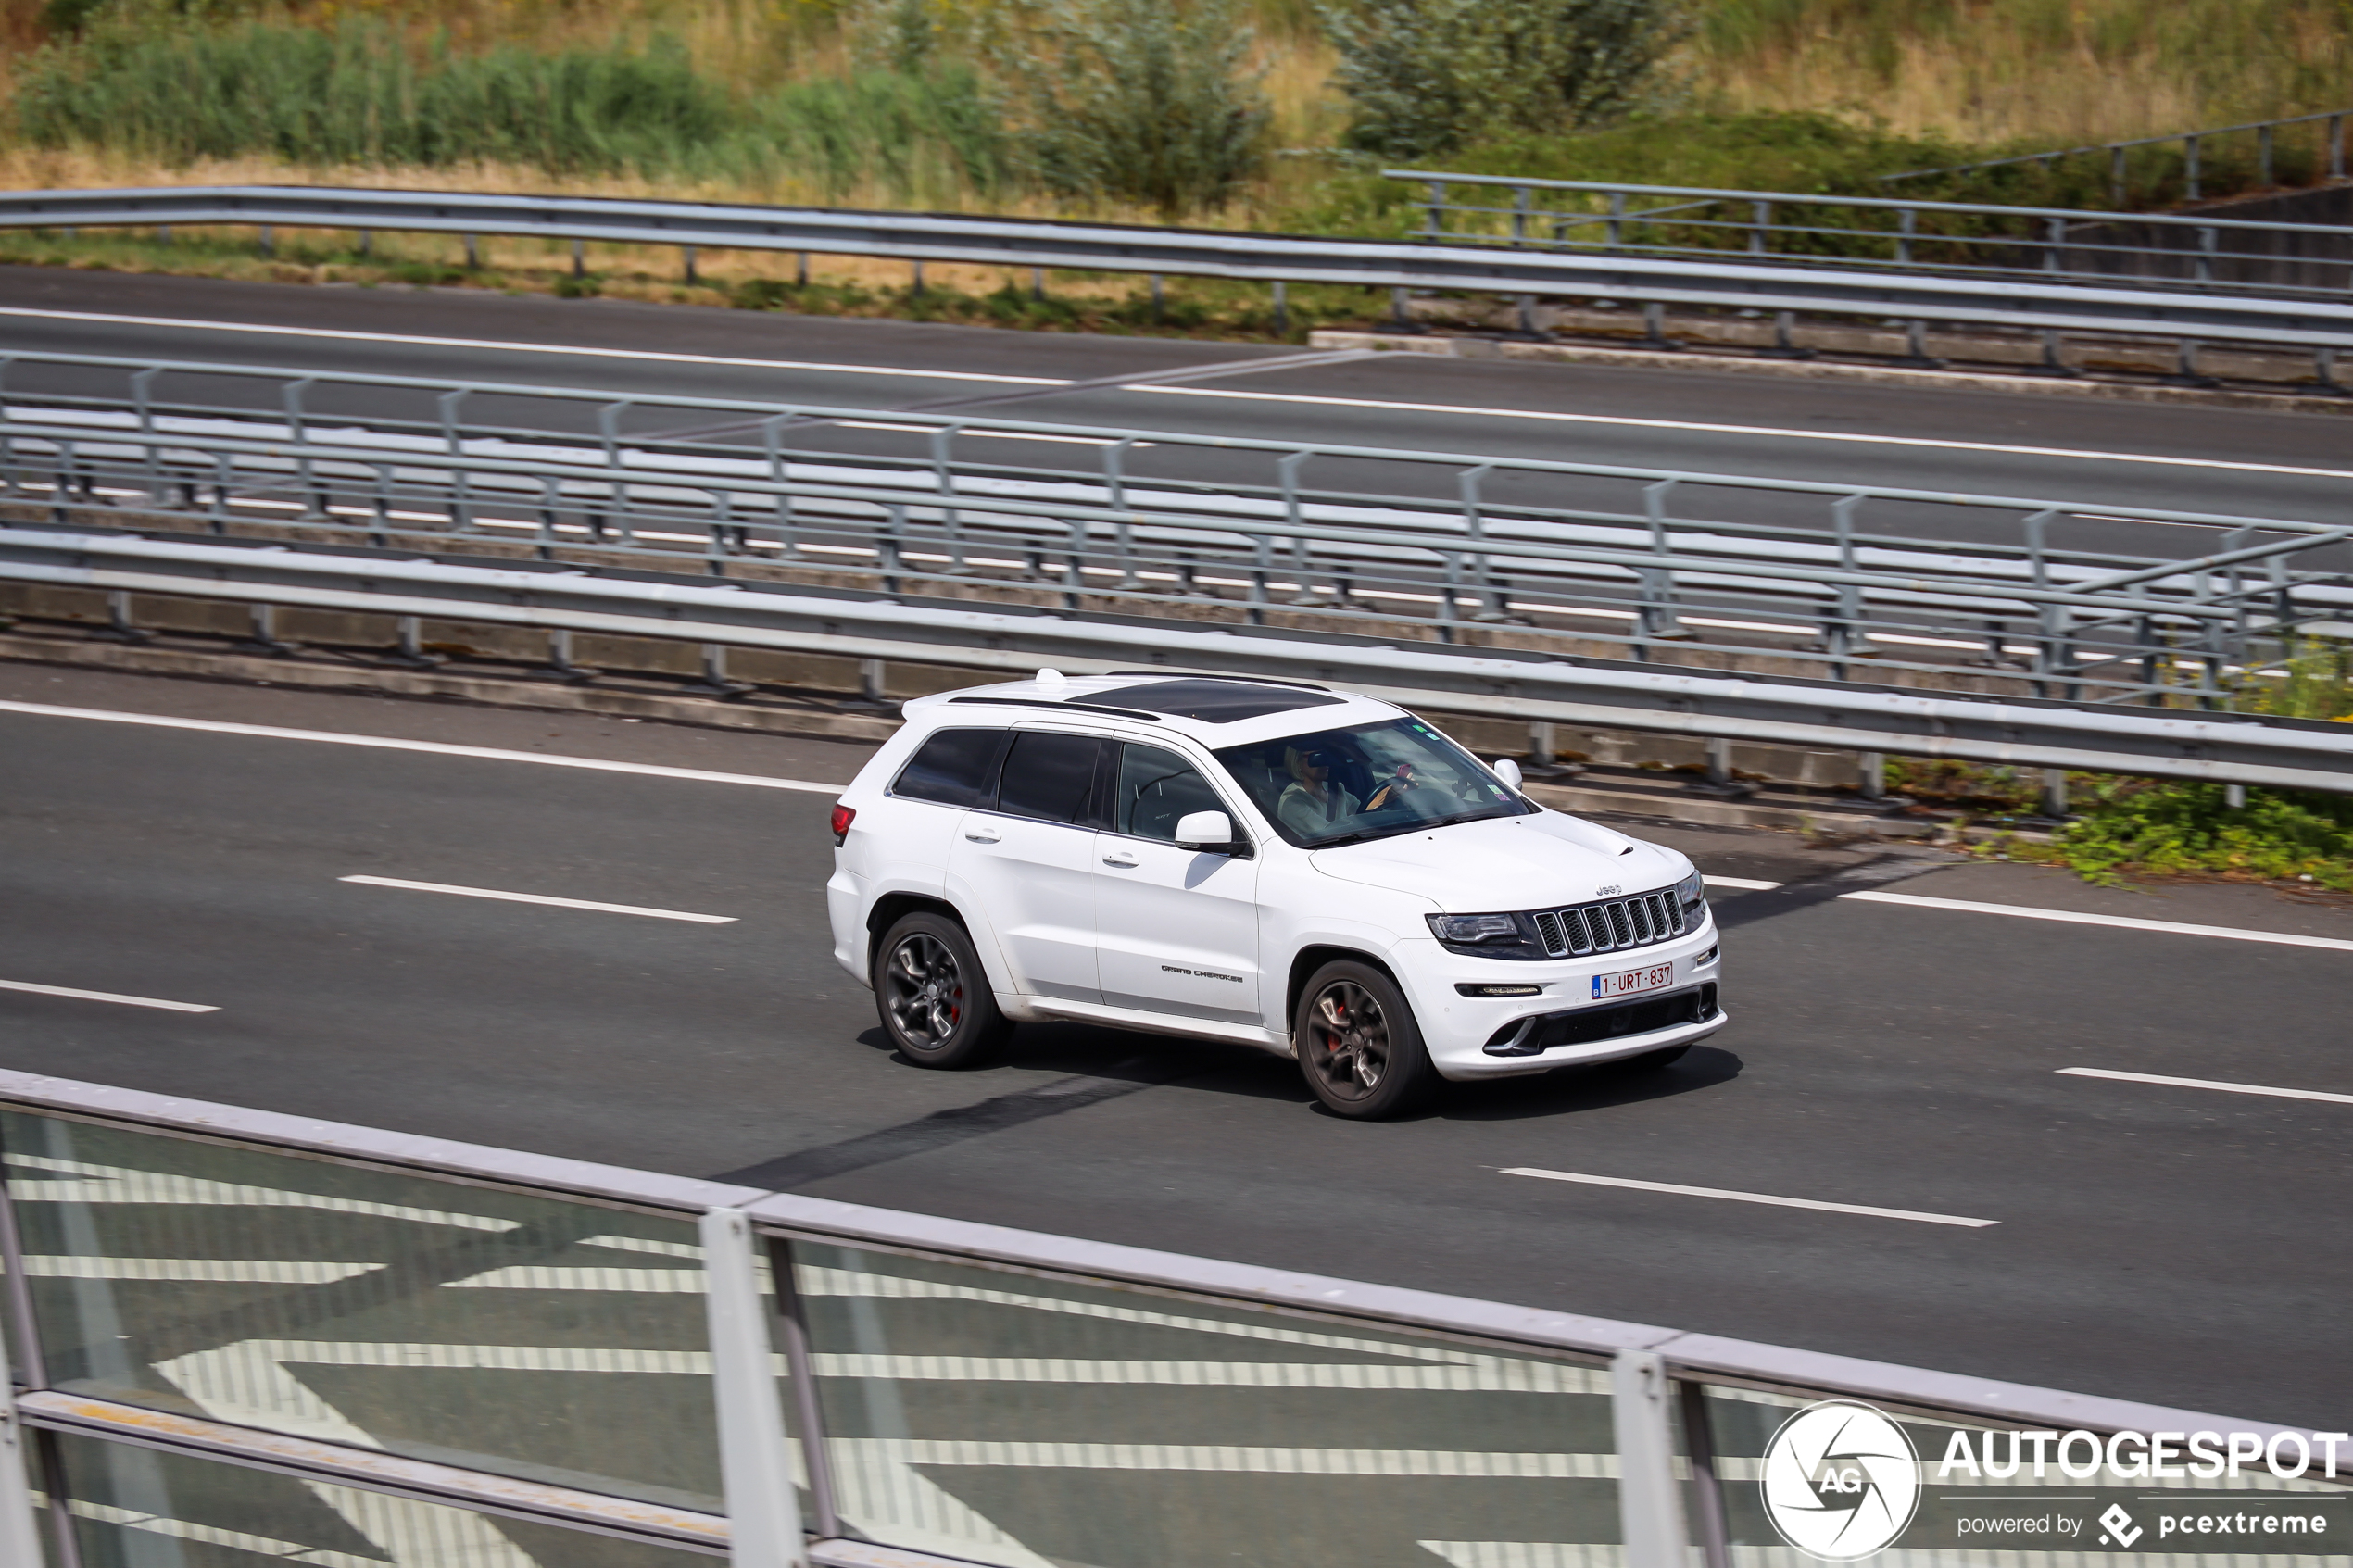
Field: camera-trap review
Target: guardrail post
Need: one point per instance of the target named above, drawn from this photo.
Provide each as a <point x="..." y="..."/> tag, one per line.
<point x="871" y="675"/>
<point x="755" y="1466"/>
<point x="265" y="239"/>
<point x="2263" y="155"/>
<point x="1759" y="242"/>
<point x="2189" y="147"/>
<point x="1650" y="1508"/>
<point x="1541" y="747"/>
<point x="2116" y="176"/>
<point x="474" y="254"/>
<point x="2336" y="146"/>
<point x="1870" y="775"/>
<point x="579" y="258"/>
<point x="2054" y="801"/>
<point x="1282" y="308"/>
<point x="688" y="253"/>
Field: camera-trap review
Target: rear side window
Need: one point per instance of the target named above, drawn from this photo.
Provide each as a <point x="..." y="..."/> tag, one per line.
<point x="1049" y="776"/>
<point x="954" y="767"/>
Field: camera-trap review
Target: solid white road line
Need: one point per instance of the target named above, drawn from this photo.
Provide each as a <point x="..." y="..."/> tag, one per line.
<point x="2126" y="922"/>
<point x="262" y="330"/>
<point x="539" y="898"/>
<point x="2214" y="1084"/>
<point x="1740" y="884"/>
<point x="1702" y="427"/>
<point x="1749" y="1197"/>
<point x="381" y="743"/>
<point x="102" y="997"/>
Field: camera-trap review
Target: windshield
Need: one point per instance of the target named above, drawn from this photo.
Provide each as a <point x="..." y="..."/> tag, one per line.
<point x="1343" y="786"/>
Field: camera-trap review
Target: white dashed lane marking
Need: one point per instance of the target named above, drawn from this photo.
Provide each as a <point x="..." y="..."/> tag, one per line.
<point x="2214" y="1084"/>
<point x="74" y="993"/>
<point x="436" y="748"/>
<point x="1682" y="1191"/>
<point x="538" y="898"/>
<point x="2123" y="923"/>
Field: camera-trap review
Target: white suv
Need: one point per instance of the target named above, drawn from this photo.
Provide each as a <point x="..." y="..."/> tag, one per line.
<point x="1270" y="862"/>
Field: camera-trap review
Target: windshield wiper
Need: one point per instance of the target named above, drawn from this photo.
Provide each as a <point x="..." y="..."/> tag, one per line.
<point x="1360" y="836"/>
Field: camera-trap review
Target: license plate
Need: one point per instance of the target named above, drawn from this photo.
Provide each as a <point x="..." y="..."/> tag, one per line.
<point x="1625" y="982"/>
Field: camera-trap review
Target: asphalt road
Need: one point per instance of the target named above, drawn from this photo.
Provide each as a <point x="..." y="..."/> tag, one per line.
<point x="2154" y="1242"/>
<point x="2094" y="452"/>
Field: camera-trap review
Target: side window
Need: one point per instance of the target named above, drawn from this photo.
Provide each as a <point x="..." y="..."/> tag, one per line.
<point x="954" y="767"/>
<point x="1050" y="776"/>
<point x="1157" y="790"/>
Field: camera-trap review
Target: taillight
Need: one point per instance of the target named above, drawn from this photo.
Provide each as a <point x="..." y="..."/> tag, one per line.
<point x="843" y="817"/>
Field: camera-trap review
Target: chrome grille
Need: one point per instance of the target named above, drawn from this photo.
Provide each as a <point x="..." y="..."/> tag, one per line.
<point x="1612" y="924"/>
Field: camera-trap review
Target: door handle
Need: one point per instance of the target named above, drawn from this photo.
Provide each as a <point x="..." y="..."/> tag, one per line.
<point x="1120" y="858"/>
<point x="981" y="835"/>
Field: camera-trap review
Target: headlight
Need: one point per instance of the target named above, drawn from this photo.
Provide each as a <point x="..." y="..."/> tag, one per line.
<point x="1693" y="892"/>
<point x="1487" y="937"/>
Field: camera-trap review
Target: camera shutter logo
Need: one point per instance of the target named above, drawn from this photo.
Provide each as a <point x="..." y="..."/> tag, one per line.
<point x="1842" y="1481"/>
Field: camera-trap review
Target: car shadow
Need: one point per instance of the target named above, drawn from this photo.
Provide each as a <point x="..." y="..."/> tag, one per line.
<point x="1568" y="1090"/>
<point x="1129" y="1056"/>
<point x="1126" y="1056"/>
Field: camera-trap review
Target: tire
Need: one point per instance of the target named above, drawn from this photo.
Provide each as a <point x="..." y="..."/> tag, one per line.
<point x="933" y="996"/>
<point x="1359" y="1048"/>
<point x="1651" y="1061"/>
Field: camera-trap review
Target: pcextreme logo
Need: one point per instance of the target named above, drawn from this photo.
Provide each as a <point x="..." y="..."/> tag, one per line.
<point x="1840" y="1481"/>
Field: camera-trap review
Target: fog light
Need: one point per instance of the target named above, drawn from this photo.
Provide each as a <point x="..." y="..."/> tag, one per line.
<point x="1705" y="958"/>
<point x="1500" y="990"/>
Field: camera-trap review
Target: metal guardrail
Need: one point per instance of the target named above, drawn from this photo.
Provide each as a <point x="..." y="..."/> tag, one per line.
<point x="2172" y="314"/>
<point x="529" y="1341"/>
<point x="1340" y="539"/>
<point x="1961" y="239"/>
<point x="2266" y="133"/>
<point x="1521" y="685"/>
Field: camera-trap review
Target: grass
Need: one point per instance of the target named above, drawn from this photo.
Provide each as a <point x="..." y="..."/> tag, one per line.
<point x="2129" y="828"/>
<point x="775" y="100"/>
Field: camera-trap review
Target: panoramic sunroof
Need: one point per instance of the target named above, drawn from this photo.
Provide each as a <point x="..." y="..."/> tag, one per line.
<point x="1214" y="702"/>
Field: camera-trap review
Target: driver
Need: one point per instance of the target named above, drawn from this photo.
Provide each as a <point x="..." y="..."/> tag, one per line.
<point x="1312" y="801"/>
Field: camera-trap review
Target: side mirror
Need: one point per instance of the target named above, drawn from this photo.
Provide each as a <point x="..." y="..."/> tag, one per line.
<point x="1508" y="771"/>
<point x="1205" y="829"/>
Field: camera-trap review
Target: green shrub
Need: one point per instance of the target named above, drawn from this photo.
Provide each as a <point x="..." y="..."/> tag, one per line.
<point x="1425" y="76"/>
<point x="1140" y="100"/>
<point x="357" y="93"/>
<point x="2176" y="829"/>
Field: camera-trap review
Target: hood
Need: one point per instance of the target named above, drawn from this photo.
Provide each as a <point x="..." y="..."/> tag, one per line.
<point x="1539" y="862"/>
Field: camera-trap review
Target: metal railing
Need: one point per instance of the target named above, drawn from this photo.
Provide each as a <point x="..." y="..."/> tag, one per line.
<point x="2266" y="134"/>
<point x="300" y="1339"/>
<point x="1517" y="684"/>
<point x="1944" y="237"/>
<point x="2117" y="305"/>
<point x="1565" y="557"/>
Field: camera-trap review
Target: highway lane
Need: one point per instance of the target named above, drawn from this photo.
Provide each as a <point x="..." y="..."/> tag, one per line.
<point x="2154" y="1242"/>
<point x="2093" y="451"/>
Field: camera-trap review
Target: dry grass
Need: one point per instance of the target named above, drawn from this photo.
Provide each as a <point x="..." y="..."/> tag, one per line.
<point x="2019" y="74"/>
<point x="2030" y="72"/>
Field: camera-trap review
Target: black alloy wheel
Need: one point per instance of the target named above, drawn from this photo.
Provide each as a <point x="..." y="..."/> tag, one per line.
<point x="932" y="993"/>
<point x="1358" y="1045"/>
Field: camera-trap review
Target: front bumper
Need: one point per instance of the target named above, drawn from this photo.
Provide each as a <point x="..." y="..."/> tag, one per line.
<point x="1562" y="1025"/>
